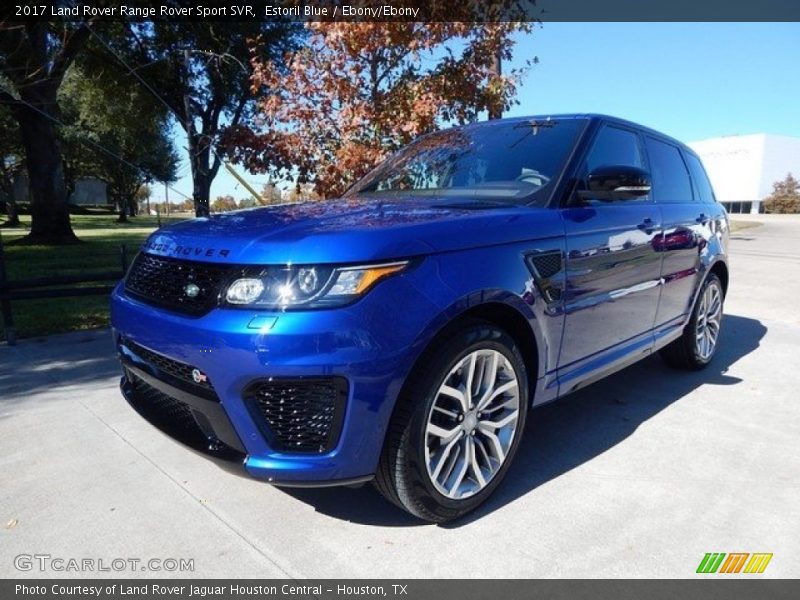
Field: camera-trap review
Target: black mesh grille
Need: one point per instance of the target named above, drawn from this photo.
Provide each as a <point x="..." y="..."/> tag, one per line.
<point x="166" y="365"/>
<point x="546" y="264"/>
<point x="165" y="412"/>
<point x="299" y="415"/>
<point x="163" y="282"/>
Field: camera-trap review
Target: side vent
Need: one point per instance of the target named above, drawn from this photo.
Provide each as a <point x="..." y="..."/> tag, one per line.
<point x="544" y="266"/>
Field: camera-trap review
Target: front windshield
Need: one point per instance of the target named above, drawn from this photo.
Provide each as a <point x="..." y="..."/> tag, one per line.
<point x="513" y="161"/>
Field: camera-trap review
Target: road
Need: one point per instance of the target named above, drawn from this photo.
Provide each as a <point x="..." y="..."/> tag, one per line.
<point x="637" y="476"/>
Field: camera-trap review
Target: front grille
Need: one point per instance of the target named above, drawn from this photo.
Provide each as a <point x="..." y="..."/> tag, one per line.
<point x="163" y="282"/>
<point x="167" y="413"/>
<point x="299" y="415"/>
<point x="166" y="365"/>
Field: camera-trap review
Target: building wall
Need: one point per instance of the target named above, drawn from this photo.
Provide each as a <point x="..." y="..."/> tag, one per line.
<point x="742" y="168"/>
<point x="88" y="191"/>
<point x="781" y="156"/>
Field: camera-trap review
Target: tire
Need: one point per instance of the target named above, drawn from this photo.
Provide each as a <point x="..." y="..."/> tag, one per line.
<point x="417" y="457"/>
<point x="688" y="352"/>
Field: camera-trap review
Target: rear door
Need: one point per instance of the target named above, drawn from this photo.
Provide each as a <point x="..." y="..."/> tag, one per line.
<point x="684" y="220"/>
<point x="613" y="269"/>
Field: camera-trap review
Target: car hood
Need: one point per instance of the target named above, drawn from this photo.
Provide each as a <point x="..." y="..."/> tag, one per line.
<point x="348" y="231"/>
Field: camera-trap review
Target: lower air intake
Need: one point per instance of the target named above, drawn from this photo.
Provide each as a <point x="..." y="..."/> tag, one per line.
<point x="299" y="415"/>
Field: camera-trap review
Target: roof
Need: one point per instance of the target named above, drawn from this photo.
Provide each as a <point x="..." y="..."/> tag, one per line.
<point x="588" y="116"/>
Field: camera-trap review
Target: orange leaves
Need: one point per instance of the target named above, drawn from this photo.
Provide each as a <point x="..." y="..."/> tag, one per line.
<point x="359" y="91"/>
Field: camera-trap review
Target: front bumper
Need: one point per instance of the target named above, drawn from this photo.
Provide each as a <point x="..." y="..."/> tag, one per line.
<point x="372" y="349"/>
<point x="199" y="423"/>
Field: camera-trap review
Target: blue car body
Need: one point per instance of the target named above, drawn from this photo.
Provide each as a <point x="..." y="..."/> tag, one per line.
<point x="586" y="290"/>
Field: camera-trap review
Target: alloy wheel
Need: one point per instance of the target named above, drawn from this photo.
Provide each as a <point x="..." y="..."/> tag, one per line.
<point x="472" y="424"/>
<point x="709" y="316"/>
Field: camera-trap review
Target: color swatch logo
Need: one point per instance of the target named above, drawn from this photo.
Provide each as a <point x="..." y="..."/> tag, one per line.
<point x="735" y="562"/>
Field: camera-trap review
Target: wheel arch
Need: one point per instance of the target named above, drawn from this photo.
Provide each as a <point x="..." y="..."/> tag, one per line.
<point x="720" y="269"/>
<point x="502" y="314"/>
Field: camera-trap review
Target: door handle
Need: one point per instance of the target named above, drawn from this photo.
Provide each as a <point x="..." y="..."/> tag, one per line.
<point x="648" y="225"/>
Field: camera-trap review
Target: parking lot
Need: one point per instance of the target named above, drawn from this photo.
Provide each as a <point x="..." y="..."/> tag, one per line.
<point x="637" y="476"/>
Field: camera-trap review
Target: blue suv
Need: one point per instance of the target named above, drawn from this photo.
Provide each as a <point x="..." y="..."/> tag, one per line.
<point x="402" y="333"/>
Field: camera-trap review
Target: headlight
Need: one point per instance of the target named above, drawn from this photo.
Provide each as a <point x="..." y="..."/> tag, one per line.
<point x="307" y="286"/>
<point x="245" y="290"/>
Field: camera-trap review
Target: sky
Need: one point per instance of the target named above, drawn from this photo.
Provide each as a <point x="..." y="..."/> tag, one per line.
<point x="689" y="80"/>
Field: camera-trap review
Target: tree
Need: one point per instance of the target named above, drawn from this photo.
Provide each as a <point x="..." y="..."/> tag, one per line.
<point x="202" y="71"/>
<point x="142" y="195"/>
<point x="34" y="57"/>
<point x="301" y="193"/>
<point x="359" y="91"/>
<point x="224" y="204"/>
<point x="104" y="140"/>
<point x="11" y="163"/>
<point x="247" y="202"/>
<point x="270" y="194"/>
<point x="785" y="197"/>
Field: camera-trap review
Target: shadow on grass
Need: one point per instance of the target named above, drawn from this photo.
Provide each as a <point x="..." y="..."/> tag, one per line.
<point x="565" y="434"/>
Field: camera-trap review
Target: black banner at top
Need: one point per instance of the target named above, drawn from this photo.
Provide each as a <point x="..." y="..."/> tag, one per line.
<point x="409" y="10"/>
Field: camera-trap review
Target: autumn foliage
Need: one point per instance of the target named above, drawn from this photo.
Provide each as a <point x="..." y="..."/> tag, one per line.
<point x="785" y="197"/>
<point x="359" y="91"/>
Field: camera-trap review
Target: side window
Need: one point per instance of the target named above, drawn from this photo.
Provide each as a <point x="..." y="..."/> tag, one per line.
<point x="614" y="146"/>
<point x="671" y="182"/>
<point x="701" y="182"/>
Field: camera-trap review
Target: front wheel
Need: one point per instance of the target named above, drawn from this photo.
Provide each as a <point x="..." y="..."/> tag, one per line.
<point x="457" y="426"/>
<point x="698" y="344"/>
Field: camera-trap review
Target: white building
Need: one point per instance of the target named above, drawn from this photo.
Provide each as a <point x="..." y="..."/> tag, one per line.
<point x="742" y="168"/>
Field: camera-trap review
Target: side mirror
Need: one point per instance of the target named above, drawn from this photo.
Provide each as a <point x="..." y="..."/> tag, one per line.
<point x="617" y="182"/>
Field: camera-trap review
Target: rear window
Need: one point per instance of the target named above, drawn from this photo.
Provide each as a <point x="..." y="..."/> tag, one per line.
<point x="670" y="178"/>
<point x="701" y="182"/>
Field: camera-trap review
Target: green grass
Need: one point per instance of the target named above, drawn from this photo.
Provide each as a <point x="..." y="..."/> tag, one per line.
<point x="101" y="237"/>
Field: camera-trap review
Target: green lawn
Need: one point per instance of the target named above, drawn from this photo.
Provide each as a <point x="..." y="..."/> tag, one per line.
<point x="100" y="251"/>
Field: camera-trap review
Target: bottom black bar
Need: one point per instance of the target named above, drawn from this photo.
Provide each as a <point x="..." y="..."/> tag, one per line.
<point x="732" y="588"/>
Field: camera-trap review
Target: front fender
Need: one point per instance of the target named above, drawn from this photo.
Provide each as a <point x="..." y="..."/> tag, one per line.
<point x="497" y="276"/>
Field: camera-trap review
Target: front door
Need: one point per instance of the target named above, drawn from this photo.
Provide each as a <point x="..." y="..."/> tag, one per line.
<point x="613" y="268"/>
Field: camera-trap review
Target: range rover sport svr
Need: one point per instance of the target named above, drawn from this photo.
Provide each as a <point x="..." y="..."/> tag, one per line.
<point x="403" y="333"/>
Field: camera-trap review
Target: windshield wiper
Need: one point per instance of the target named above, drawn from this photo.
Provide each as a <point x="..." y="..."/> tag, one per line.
<point x="535" y="124"/>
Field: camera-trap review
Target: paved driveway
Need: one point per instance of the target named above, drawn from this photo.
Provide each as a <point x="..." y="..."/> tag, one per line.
<point x="636" y="476"/>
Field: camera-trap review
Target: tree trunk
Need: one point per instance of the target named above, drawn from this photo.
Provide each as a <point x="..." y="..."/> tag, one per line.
<point x="123" y="208"/>
<point x="11" y="210"/>
<point x="496" y="110"/>
<point x="201" y="193"/>
<point x="203" y="168"/>
<point x="49" y="208"/>
<point x="69" y="179"/>
<point x="201" y="177"/>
